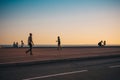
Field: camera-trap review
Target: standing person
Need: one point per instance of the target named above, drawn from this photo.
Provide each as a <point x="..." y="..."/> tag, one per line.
<point x="104" y="43"/>
<point x="30" y="43"/>
<point x="16" y="44"/>
<point x="59" y="43"/>
<point x="22" y="43"/>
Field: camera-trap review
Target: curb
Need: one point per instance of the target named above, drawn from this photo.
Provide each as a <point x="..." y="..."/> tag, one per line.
<point x="58" y="61"/>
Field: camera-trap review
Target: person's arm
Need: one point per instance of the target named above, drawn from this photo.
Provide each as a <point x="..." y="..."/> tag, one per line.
<point x="56" y="40"/>
<point x="32" y="42"/>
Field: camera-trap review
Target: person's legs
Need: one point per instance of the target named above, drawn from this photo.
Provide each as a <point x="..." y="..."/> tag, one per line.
<point x="59" y="47"/>
<point x="30" y="49"/>
<point x="27" y="51"/>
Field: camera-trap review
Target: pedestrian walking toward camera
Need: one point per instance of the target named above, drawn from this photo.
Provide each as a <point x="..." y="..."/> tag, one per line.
<point x="30" y="44"/>
<point x="59" y="43"/>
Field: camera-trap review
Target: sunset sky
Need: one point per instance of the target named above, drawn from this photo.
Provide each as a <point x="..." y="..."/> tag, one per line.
<point x="77" y="22"/>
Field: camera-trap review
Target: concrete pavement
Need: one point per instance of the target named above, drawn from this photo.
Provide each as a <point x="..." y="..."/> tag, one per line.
<point x="17" y="56"/>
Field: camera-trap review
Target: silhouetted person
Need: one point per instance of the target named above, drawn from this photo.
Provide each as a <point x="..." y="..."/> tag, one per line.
<point x="22" y="43"/>
<point x="100" y="43"/>
<point x="104" y="43"/>
<point x="14" y="45"/>
<point x="59" y="43"/>
<point x="30" y="44"/>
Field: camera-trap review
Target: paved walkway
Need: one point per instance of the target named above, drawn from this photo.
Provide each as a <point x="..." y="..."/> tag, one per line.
<point x="16" y="55"/>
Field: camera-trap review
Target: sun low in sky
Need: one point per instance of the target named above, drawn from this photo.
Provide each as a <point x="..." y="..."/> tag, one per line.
<point x="77" y="22"/>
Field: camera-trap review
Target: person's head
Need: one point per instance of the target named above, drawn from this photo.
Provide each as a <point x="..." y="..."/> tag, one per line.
<point x="30" y="34"/>
<point x="58" y="36"/>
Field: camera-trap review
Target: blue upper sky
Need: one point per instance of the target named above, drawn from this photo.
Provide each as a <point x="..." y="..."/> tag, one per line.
<point x="13" y="8"/>
<point x="76" y="21"/>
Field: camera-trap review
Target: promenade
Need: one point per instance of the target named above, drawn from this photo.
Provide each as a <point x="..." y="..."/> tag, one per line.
<point x="18" y="55"/>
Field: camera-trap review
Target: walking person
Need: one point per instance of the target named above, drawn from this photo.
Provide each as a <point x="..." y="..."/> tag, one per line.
<point x="59" y="43"/>
<point x="30" y="44"/>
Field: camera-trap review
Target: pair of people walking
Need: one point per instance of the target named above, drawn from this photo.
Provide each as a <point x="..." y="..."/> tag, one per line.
<point x="30" y="43"/>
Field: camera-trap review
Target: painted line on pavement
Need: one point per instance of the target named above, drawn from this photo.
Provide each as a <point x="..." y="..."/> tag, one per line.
<point x="116" y="66"/>
<point x="53" y="75"/>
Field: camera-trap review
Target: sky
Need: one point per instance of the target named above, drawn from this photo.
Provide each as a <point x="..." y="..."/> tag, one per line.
<point x="77" y="22"/>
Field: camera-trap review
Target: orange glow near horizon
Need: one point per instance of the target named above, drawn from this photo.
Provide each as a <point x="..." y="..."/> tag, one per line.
<point x="83" y="23"/>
